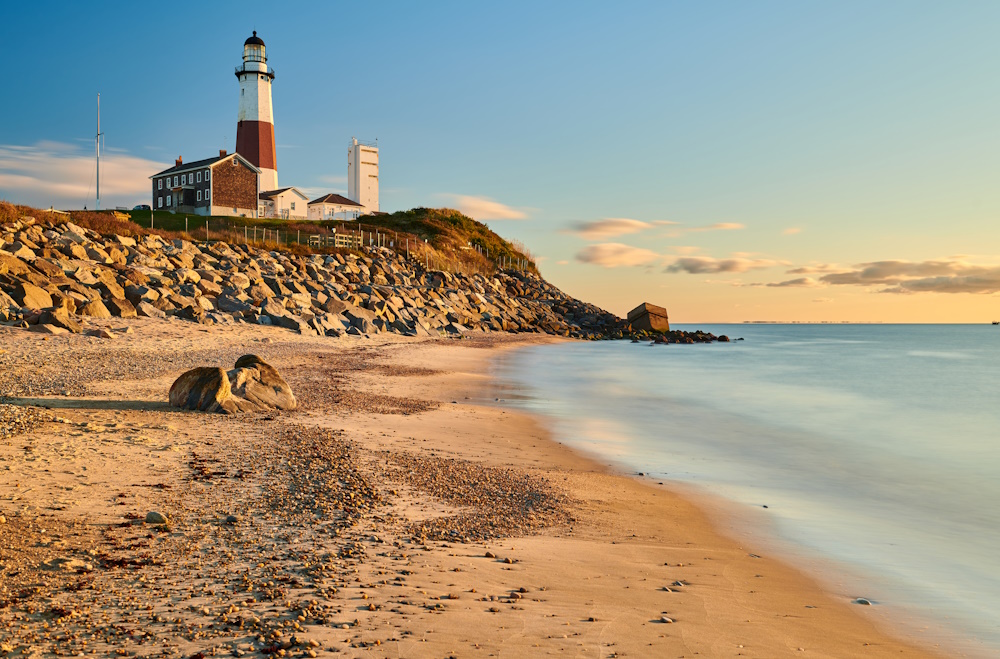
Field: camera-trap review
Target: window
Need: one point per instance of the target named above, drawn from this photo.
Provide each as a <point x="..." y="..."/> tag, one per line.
<point x="207" y="196"/>
<point x="168" y="200"/>
<point x="206" y="174"/>
<point x="184" y="179"/>
<point x="293" y="205"/>
<point x="175" y="181"/>
<point x="159" y="202"/>
<point x="199" y="177"/>
<point x="159" y="184"/>
<point x="199" y="195"/>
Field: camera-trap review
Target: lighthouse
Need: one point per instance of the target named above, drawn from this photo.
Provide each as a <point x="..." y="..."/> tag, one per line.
<point x="255" y="128"/>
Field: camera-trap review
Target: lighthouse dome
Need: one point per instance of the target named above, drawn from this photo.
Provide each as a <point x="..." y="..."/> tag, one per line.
<point x="254" y="40"/>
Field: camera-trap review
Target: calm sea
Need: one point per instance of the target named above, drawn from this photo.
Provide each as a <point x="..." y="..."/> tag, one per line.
<point x="875" y="448"/>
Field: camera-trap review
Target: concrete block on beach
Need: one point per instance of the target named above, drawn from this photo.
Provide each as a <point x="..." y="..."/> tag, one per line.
<point x="649" y="317"/>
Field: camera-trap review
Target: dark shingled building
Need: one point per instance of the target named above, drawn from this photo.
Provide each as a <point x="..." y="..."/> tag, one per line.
<point x="649" y="317"/>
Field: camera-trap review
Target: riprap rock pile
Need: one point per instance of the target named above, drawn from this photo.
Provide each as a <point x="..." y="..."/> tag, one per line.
<point x="53" y="276"/>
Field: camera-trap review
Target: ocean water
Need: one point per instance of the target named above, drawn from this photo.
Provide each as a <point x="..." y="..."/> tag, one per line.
<point x="875" y="448"/>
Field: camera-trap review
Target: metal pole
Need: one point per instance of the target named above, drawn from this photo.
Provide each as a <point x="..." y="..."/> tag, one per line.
<point x="206" y="227"/>
<point x="98" y="142"/>
<point x="150" y="218"/>
<point x="185" y="219"/>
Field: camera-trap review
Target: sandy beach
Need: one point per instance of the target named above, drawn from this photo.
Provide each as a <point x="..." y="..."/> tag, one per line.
<point x="398" y="512"/>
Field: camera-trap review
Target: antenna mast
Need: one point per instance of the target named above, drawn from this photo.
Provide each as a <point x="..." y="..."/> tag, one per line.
<point x="97" y="140"/>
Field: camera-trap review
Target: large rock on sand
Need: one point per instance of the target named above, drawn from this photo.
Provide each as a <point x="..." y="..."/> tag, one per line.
<point x="205" y="388"/>
<point x="252" y="386"/>
<point x="258" y="382"/>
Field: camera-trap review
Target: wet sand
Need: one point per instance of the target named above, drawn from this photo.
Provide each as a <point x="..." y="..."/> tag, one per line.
<point x="397" y="513"/>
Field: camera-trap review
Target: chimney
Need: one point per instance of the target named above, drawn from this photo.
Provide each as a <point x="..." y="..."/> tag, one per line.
<point x="180" y="161"/>
<point x="222" y="153"/>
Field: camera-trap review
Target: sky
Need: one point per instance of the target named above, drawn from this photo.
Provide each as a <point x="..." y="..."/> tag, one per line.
<point x="729" y="160"/>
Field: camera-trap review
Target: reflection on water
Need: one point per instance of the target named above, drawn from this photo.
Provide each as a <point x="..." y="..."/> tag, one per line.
<point x="876" y="445"/>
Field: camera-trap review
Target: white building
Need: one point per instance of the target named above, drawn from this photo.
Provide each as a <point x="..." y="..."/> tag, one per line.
<point x="334" y="207"/>
<point x="286" y="203"/>
<point x="362" y="174"/>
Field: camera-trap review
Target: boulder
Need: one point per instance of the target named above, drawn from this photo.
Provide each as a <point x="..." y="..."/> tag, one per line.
<point x="258" y="382"/>
<point x="12" y="265"/>
<point x="121" y="307"/>
<point x="94" y="309"/>
<point x="148" y="310"/>
<point x="31" y="296"/>
<point x="47" y="329"/>
<point x="252" y="385"/>
<point x="205" y="388"/>
<point x="100" y="333"/>
<point x="60" y="318"/>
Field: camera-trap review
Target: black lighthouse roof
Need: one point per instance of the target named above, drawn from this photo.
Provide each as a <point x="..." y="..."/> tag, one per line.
<point x="254" y="40"/>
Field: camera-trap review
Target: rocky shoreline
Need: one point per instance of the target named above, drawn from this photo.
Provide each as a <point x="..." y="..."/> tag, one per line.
<point x="55" y="277"/>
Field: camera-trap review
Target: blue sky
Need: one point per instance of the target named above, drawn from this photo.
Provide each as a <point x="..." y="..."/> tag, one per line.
<point x="773" y="160"/>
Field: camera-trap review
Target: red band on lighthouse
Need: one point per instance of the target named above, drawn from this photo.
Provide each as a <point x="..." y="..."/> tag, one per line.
<point x="255" y="142"/>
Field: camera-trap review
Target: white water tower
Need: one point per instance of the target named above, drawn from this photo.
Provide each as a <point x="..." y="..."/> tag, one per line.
<point x="362" y="174"/>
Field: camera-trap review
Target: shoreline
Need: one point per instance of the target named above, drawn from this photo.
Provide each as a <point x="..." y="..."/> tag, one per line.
<point x="564" y="555"/>
<point x="901" y="608"/>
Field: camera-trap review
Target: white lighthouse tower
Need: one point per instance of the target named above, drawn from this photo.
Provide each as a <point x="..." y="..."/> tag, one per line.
<point x="255" y="129"/>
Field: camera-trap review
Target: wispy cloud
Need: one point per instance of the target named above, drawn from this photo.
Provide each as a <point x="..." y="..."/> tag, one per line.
<point x="62" y="175"/>
<point x="706" y="264"/>
<point x="791" y="231"/>
<point x="720" y="226"/>
<point x="947" y="275"/>
<point x="801" y="282"/>
<point x="484" y="208"/>
<point x="614" y="255"/>
<point x="815" y="269"/>
<point x="609" y="227"/>
<point x="936" y="276"/>
<point x="678" y="231"/>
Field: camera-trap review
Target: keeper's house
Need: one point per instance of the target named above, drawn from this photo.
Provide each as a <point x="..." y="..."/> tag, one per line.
<point x="226" y="185"/>
<point x="334" y="207"/>
<point x="286" y="203"/>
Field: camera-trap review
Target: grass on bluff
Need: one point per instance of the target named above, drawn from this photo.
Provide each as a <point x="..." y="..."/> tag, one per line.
<point x="455" y="234"/>
<point x="451" y="237"/>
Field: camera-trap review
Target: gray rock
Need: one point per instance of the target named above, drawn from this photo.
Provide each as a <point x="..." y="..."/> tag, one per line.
<point x="154" y="517"/>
